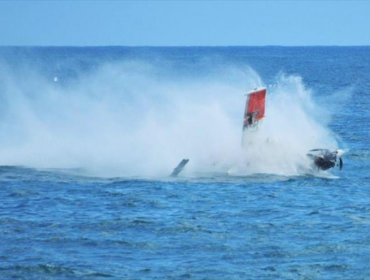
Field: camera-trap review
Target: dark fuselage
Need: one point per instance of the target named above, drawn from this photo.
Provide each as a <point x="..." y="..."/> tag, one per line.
<point x="324" y="159"/>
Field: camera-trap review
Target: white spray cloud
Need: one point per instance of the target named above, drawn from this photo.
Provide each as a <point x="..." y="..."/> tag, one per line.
<point x="291" y="128"/>
<point x="130" y="119"/>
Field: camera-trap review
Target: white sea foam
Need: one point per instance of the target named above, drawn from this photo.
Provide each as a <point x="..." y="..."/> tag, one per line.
<point x="129" y="119"/>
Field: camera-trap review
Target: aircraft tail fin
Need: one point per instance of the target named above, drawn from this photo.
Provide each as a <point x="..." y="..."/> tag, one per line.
<point x="254" y="107"/>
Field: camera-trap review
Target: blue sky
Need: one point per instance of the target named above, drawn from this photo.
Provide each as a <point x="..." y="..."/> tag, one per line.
<point x="184" y="23"/>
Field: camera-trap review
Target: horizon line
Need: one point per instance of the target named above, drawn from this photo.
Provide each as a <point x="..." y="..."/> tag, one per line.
<point x="171" y="46"/>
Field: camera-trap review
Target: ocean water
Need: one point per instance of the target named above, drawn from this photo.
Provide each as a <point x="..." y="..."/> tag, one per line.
<point x="89" y="136"/>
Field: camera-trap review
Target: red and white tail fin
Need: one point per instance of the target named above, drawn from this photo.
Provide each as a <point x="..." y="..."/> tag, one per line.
<point x="254" y="108"/>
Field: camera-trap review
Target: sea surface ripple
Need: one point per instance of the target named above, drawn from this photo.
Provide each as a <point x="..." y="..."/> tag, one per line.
<point x="60" y="224"/>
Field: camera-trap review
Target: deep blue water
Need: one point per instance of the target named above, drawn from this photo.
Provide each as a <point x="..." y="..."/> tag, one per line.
<point x="61" y="224"/>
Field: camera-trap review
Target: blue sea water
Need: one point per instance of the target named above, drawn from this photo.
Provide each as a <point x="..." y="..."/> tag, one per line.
<point x="59" y="222"/>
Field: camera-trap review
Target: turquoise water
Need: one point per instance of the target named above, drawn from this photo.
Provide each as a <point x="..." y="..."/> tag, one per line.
<point x="82" y="198"/>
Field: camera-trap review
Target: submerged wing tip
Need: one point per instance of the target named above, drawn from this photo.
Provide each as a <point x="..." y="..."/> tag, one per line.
<point x="179" y="167"/>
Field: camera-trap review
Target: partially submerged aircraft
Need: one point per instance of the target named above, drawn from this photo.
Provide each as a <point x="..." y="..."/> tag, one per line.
<point x="321" y="159"/>
<point x="324" y="159"/>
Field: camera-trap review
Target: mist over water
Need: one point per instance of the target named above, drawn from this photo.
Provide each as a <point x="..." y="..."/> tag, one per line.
<point x="127" y="116"/>
<point x="294" y="124"/>
<point x="141" y="119"/>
